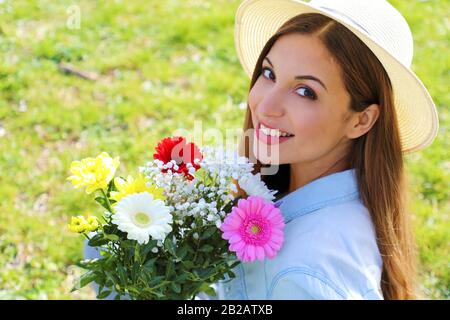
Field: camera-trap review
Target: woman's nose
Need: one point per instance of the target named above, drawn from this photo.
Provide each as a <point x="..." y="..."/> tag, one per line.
<point x="271" y="105"/>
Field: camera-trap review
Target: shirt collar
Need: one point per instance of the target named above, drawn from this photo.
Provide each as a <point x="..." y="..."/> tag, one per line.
<point x="329" y="190"/>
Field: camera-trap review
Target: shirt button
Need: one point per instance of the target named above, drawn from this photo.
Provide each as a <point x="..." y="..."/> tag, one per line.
<point x="227" y="289"/>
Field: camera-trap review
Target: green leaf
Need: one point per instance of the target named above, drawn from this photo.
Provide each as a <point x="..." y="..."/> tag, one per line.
<point x="88" y="263"/>
<point x="208" y="233"/>
<point x="110" y="228"/>
<point x="206" y="264"/>
<point x="202" y="175"/>
<point x="183" y="277"/>
<point x="207" y="248"/>
<point x="111" y="276"/>
<point x="111" y="186"/>
<point x="206" y="272"/>
<point x="122" y="273"/>
<point x="205" y="287"/>
<point x="104" y="294"/>
<point x="133" y="290"/>
<point x="109" y="261"/>
<point x="127" y="244"/>
<point x="176" y="287"/>
<point x="188" y="264"/>
<point x="149" y="265"/>
<point x="156" y="280"/>
<point x="210" y="292"/>
<point x="85" y="279"/>
<point x="231" y="274"/>
<point x="135" y="271"/>
<point x="102" y="202"/>
<point x="98" y="240"/>
<point x="182" y="251"/>
<point x="137" y="255"/>
<point x="147" y="248"/>
<point x="112" y="237"/>
<point x="159" y="294"/>
<point x="169" y="269"/>
<point x="168" y="245"/>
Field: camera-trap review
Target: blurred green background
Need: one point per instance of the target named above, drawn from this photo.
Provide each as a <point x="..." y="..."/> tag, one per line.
<point x="141" y="69"/>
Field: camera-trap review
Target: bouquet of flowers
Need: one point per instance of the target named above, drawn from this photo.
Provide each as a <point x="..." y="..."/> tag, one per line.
<point x="181" y="224"/>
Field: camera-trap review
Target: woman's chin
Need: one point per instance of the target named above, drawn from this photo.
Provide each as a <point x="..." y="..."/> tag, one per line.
<point x="268" y="160"/>
<point x="266" y="155"/>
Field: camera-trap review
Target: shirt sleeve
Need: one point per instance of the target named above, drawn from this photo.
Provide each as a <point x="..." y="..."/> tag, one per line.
<point x="301" y="285"/>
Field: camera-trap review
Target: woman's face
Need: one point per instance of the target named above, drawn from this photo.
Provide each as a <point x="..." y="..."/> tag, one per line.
<point x="312" y="107"/>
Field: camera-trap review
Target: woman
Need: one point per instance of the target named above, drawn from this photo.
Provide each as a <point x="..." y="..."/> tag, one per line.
<point x="332" y="77"/>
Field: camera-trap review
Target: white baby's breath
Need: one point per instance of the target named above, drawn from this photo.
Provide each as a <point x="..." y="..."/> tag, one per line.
<point x="198" y="199"/>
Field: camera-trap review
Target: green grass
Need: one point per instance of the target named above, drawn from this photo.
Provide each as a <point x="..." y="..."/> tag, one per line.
<point x="161" y="65"/>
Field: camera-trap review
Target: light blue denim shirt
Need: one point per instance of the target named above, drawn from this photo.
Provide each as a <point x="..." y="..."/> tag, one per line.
<point x="330" y="249"/>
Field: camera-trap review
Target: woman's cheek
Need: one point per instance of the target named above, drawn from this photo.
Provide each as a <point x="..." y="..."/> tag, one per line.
<point x="307" y="124"/>
<point x="255" y="95"/>
<point x="251" y="100"/>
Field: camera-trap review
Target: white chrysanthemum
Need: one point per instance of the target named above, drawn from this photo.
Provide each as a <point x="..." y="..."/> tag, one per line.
<point x="254" y="186"/>
<point x="141" y="216"/>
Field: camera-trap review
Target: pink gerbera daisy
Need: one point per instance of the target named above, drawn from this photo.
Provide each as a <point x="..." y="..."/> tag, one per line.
<point x="254" y="229"/>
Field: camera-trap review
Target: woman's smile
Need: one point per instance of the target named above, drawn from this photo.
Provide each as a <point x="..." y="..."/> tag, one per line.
<point x="270" y="135"/>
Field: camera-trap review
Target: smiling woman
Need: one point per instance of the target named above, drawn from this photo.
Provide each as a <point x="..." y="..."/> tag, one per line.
<point x="332" y="73"/>
<point x="135" y="71"/>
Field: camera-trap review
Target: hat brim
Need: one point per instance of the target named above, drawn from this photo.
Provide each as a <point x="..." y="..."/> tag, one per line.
<point x="257" y="20"/>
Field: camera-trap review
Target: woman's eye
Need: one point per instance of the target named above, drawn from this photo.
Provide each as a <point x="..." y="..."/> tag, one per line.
<point x="306" y="92"/>
<point x="267" y="72"/>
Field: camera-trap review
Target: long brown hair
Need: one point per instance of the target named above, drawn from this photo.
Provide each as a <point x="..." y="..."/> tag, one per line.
<point x="376" y="156"/>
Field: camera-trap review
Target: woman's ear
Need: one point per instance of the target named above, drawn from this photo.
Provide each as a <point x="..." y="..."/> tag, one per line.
<point x="362" y="122"/>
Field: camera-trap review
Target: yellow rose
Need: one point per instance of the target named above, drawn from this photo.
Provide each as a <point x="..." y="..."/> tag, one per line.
<point x="93" y="173"/>
<point x="131" y="186"/>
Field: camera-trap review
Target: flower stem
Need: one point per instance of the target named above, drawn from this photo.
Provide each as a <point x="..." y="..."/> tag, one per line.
<point x="87" y="237"/>
<point x="107" y="200"/>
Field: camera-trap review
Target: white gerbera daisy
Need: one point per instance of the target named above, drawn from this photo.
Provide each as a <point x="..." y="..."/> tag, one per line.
<point x="142" y="216"/>
<point x="254" y="186"/>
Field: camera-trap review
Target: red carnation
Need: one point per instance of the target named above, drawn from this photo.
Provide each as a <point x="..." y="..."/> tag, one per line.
<point x="176" y="148"/>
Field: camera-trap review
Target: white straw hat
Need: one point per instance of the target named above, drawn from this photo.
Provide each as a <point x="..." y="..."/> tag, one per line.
<point x="379" y="25"/>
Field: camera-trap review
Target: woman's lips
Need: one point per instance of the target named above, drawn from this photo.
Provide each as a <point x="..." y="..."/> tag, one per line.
<point x="269" y="140"/>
